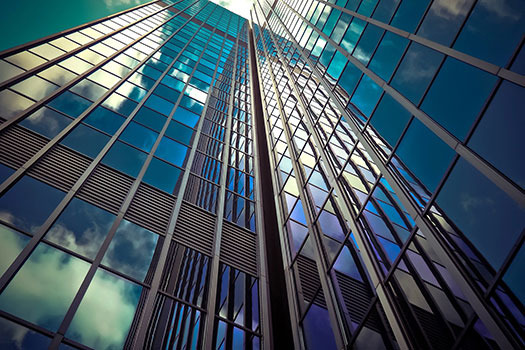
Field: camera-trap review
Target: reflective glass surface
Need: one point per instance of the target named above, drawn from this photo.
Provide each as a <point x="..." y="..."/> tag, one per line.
<point x="162" y="175"/>
<point x="16" y="337"/>
<point x="46" y="122"/>
<point x="44" y="287"/>
<point x="172" y="151"/>
<point x="12" y="244"/>
<point x="86" y="140"/>
<point x="104" y="120"/>
<point x="125" y="158"/>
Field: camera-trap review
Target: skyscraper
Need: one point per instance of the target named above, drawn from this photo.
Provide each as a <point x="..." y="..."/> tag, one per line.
<point x="324" y="175"/>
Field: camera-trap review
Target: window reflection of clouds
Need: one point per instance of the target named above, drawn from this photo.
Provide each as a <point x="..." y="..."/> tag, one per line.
<point x="12" y="244"/>
<point x="46" y="122"/>
<point x="43" y="289"/>
<point x="14" y="336"/>
<point x="105" y="313"/>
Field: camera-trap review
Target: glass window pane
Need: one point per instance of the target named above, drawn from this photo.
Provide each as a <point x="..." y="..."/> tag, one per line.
<point x="368" y="43"/>
<point x="104" y="120"/>
<point x="86" y="140"/>
<point x="120" y="104"/>
<point x="424" y="154"/>
<point x="172" y="151"/>
<point x="28" y="204"/>
<point x="35" y="87"/>
<point x="481" y="210"/>
<point x="15" y="337"/>
<point x="150" y="118"/>
<point x="390" y="119"/>
<point x="81" y="227"/>
<point x="186" y="117"/>
<point x="45" y="286"/>
<point x="416" y="71"/>
<point x="70" y="104"/>
<point x="131" y="250"/>
<point x="139" y="136"/>
<point x="8" y="71"/>
<point x="12" y="103"/>
<point x="57" y="75"/>
<point x="387" y="55"/>
<point x="465" y="89"/>
<point x="409" y="14"/>
<point x="105" y="314"/>
<point x="366" y="95"/>
<point x="162" y="175"/>
<point x="179" y="132"/>
<point x="159" y="104"/>
<point x="125" y="158"/>
<point x="12" y="244"/>
<point x="89" y="90"/>
<point x="46" y="122"/>
<point x="317" y="329"/>
<point x="5" y="172"/>
<point x="514" y="275"/>
<point x="503" y="125"/>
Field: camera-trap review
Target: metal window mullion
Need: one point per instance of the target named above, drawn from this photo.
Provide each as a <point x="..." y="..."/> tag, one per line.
<point x="216" y="252"/>
<point x="291" y="291"/>
<point x="63" y="88"/>
<point x="486" y="314"/>
<point x="67" y="54"/>
<point x="479" y="163"/>
<point x="330" y="299"/>
<point x="125" y="205"/>
<point x="501" y="72"/>
<point x="13" y="268"/>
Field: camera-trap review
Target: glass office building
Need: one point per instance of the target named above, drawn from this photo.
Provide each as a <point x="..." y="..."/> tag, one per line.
<point x="324" y="175"/>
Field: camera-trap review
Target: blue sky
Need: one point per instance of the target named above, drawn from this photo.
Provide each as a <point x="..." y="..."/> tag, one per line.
<point x="28" y="20"/>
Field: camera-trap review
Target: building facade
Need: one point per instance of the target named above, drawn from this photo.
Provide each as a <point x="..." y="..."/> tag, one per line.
<point x="325" y="175"/>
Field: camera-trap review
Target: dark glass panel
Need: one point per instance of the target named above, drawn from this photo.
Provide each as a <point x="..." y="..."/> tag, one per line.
<point x="46" y="122"/>
<point x="16" y="337"/>
<point x="424" y="154"/>
<point x="162" y="175"/>
<point x="416" y="71"/>
<point x="503" y="125"/>
<point x="172" y="151"/>
<point x="159" y="104"/>
<point x="493" y="30"/>
<point x="350" y="77"/>
<point x="81" y="228"/>
<point x="409" y="14"/>
<point x="482" y="212"/>
<point x="385" y="9"/>
<point x="444" y="19"/>
<point x="86" y="140"/>
<point x="390" y="119"/>
<point x="150" y="118"/>
<point x="105" y="120"/>
<point x="465" y="89"/>
<point x="139" y="136"/>
<point x="70" y="104"/>
<point x="44" y="287"/>
<point x="125" y="158"/>
<point x="104" y="316"/>
<point x="514" y="275"/>
<point x="387" y="55"/>
<point x="192" y="105"/>
<point x="179" y="132"/>
<point x="317" y="329"/>
<point x="28" y="204"/>
<point x="5" y="172"/>
<point x="367" y="43"/>
<point x="131" y="250"/>
<point x="366" y="95"/>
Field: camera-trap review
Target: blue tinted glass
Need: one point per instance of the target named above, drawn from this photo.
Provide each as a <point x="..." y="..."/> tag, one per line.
<point x="171" y="151"/>
<point x="385" y="9"/>
<point x="337" y="65"/>
<point x="5" y="172"/>
<point x="340" y="28"/>
<point x="443" y="20"/>
<point x="139" y="136"/>
<point x="85" y="140"/>
<point x="105" y="120"/>
<point x="352" y="34"/>
<point x="317" y="330"/>
<point x="166" y="93"/>
<point x="481" y="210"/>
<point x="493" y="30"/>
<point x="44" y="287"/>
<point x="81" y="227"/>
<point x="16" y="337"/>
<point x="514" y="275"/>
<point x="503" y="125"/>
<point x="390" y="119"/>
<point x="162" y="175"/>
<point x="28" y="204"/>
<point x="46" y="122"/>
<point x="125" y="158"/>
<point x="366" y="95"/>
<point x="159" y="104"/>
<point x="350" y="77"/>
<point x="519" y="62"/>
<point x="120" y="104"/>
<point x="70" y="104"/>
<point x="186" y="117"/>
<point x="465" y="89"/>
<point x="416" y="71"/>
<point x="192" y="105"/>
<point x="367" y="7"/>
<point x="179" y="132"/>
<point x="387" y="55"/>
<point x="409" y="14"/>
<point x="424" y="154"/>
<point x="367" y="43"/>
<point x="131" y="250"/>
<point x="150" y="118"/>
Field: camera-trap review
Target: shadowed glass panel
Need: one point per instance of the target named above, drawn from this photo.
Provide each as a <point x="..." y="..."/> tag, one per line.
<point x="71" y="104"/>
<point x="139" y="136"/>
<point x="46" y="122"/>
<point x="125" y="158"/>
<point x="172" y="151"/>
<point x="16" y="337"/>
<point x="105" y="120"/>
<point x="86" y="140"/>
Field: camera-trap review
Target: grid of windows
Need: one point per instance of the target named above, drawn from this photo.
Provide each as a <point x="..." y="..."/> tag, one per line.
<point x="374" y="110"/>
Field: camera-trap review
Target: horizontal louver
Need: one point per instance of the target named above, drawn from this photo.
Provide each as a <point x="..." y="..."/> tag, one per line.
<point x="239" y="249"/>
<point x="195" y="228"/>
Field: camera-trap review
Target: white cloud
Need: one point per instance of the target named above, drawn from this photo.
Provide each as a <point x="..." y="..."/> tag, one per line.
<point x="240" y="7"/>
